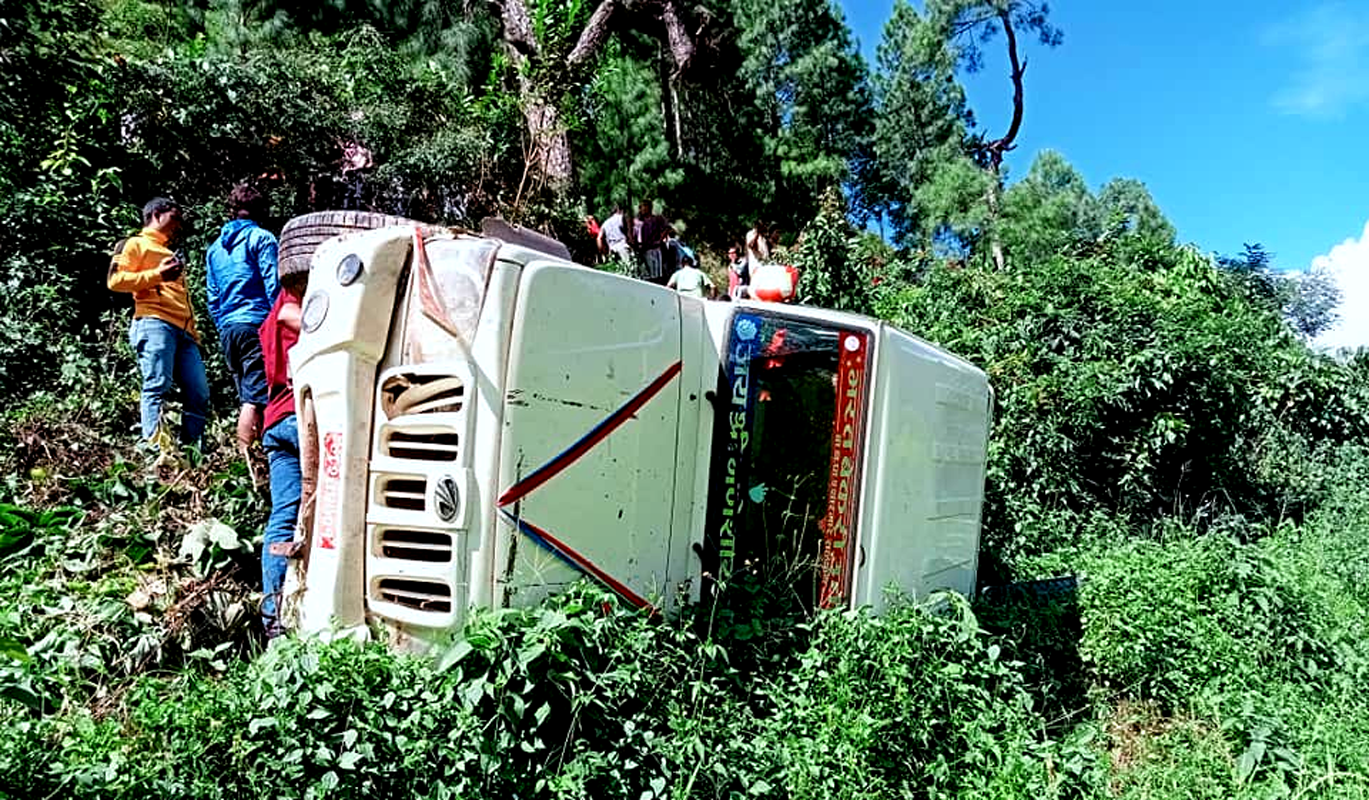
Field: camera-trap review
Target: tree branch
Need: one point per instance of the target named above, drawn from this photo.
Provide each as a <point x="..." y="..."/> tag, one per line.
<point x="965" y="26"/>
<point x="592" y="38"/>
<point x="680" y="43"/>
<point x="517" y="27"/>
<point x="1019" y="67"/>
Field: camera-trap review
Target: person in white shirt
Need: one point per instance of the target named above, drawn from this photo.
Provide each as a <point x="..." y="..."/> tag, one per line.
<point x="613" y="238"/>
<point x="690" y="280"/>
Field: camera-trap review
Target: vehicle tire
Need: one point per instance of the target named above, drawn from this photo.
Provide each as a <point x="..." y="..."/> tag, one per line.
<point x="303" y="234"/>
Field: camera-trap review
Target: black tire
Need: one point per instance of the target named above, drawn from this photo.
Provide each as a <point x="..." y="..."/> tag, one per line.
<point x="303" y="234"/>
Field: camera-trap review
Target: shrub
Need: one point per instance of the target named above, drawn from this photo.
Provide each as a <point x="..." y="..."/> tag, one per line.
<point x="1175" y="621"/>
<point x="1131" y="383"/>
<point x="912" y="704"/>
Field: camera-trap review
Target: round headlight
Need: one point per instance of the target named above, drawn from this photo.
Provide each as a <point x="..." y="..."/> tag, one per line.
<point x="315" y="309"/>
<point x="349" y="269"/>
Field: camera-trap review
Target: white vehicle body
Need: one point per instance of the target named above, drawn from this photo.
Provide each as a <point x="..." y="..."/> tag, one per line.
<point x="492" y="424"/>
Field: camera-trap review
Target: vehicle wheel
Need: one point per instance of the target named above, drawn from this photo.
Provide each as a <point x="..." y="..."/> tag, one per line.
<point x="303" y="234"/>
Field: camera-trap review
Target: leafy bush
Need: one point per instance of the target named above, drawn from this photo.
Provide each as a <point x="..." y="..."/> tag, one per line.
<point x="1176" y="621"/>
<point x="1249" y="651"/>
<point x="574" y="699"/>
<point x="107" y="116"/>
<point x="913" y="705"/>
<point x="1136" y="382"/>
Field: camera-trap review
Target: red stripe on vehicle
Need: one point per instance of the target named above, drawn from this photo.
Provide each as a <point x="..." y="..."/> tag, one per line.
<point x="578" y="561"/>
<point x="843" y="477"/>
<point x="587" y="442"/>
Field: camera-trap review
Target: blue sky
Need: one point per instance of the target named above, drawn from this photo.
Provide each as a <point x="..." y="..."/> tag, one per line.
<point x="1248" y="121"/>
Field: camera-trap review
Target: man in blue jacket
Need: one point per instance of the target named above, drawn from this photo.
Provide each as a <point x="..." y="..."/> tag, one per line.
<point x="242" y="284"/>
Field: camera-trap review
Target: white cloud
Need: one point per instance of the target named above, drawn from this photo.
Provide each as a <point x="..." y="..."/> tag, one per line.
<point x="1331" y="52"/>
<point x="1348" y="265"/>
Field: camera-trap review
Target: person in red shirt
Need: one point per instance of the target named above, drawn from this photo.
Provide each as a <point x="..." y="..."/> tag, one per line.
<point x="280" y="439"/>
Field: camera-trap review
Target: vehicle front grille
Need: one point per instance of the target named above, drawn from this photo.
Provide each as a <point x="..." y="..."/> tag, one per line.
<point x="407" y="494"/>
<point x="422" y="595"/>
<point x="412" y="393"/>
<point x="439" y="446"/>
<point x="413" y="545"/>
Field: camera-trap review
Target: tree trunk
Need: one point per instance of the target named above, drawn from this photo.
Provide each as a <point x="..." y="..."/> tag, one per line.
<point x="999" y="147"/>
<point x="995" y="241"/>
<point x="592" y="38"/>
<point x="518" y="33"/>
<point x="545" y="77"/>
<point x="670" y="114"/>
<point x="678" y="40"/>
<point x="550" y="144"/>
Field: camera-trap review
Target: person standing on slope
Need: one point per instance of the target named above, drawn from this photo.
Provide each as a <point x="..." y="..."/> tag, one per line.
<point x="652" y="244"/>
<point x="242" y="284"/>
<point x="163" y="333"/>
<point x="280" y="439"/>
<point x="689" y="279"/>
<point x="613" y="237"/>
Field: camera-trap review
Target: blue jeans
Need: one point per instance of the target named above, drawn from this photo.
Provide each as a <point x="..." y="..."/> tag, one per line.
<point x="281" y="442"/>
<point x="165" y="354"/>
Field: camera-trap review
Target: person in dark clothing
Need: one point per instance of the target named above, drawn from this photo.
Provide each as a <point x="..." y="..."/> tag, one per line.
<point x="738" y="275"/>
<point x="652" y="244"/>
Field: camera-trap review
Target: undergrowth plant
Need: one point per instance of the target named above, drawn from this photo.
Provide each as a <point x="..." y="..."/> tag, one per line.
<point x="577" y="698"/>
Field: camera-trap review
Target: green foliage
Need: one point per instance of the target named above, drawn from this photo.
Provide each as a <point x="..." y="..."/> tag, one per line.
<point x="1308" y="300"/>
<point x="937" y="176"/>
<point x="123" y="102"/>
<point x="625" y="156"/>
<point x="1161" y="429"/>
<point x="921" y="123"/>
<point x="966" y="25"/>
<point x="1051" y="211"/>
<point x="1175" y="621"/>
<point x="811" y="87"/>
<point x="1048" y="210"/>
<point x="56" y="192"/>
<point x="1129" y="208"/>
<point x="203" y="123"/>
<point x="574" y="699"/>
<point x="129" y="575"/>
<point x="1135" y="381"/>
<point x="829" y="277"/>
<point x="1249" y="657"/>
<point x="929" y="708"/>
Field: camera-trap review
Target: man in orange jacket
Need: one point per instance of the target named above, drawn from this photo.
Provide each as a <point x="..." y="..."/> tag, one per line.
<point x="163" y="331"/>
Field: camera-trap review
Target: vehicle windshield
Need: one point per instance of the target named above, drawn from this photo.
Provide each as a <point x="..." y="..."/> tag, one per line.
<point x="787" y="454"/>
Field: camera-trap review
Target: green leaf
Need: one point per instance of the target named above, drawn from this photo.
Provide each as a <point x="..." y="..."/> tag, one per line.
<point x="22" y="693"/>
<point x="454" y="654"/>
<point x="473" y="693"/>
<point x="13" y="649"/>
